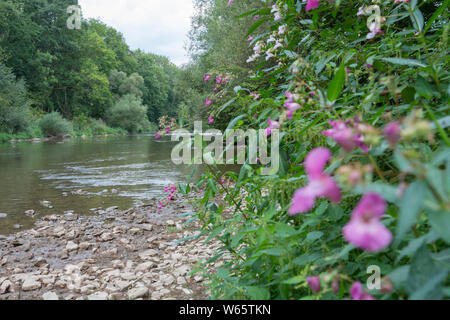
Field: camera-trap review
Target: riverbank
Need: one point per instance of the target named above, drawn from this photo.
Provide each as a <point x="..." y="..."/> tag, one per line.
<point x="107" y="255"/>
<point x="18" y="138"/>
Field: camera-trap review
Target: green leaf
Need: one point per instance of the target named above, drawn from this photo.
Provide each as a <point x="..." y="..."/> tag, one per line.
<point x="410" y="205"/>
<point x="436" y="15"/>
<point x="404" y="62"/>
<point x="337" y="84"/>
<point x="440" y="221"/>
<point x="423" y="88"/>
<point x="226" y="105"/>
<point x="313" y="236"/>
<point x="258" y="293"/>
<point x="233" y="122"/>
<point x="417" y="19"/>
<point x="257" y="24"/>
<point x="294" y="280"/>
<point x="425" y="278"/>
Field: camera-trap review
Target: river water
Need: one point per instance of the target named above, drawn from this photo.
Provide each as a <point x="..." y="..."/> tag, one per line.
<point x="123" y="171"/>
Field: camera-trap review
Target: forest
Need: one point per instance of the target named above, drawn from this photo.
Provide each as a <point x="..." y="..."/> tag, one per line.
<point x="57" y="81"/>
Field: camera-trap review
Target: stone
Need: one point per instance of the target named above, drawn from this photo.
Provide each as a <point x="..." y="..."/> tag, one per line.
<point x="50" y="296"/>
<point x="106" y="236"/>
<point x="5" y="287"/>
<point x="182" y="271"/>
<point x="137" y="293"/>
<point x="30" y="213"/>
<point x="144" y="266"/>
<point x="147" y="254"/>
<point x="71" y="246"/>
<point x="170" y="222"/>
<point x="31" y="284"/>
<point x="98" y="296"/>
<point x="147" y="227"/>
<point x="3" y="215"/>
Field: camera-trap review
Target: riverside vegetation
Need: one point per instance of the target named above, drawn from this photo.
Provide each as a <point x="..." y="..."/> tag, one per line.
<point x="360" y="92"/>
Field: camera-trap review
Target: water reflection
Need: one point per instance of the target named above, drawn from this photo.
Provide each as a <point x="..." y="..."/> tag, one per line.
<point x="112" y="171"/>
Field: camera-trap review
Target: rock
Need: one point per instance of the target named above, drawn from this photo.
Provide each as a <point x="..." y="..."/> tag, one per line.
<point x="98" y="296"/>
<point x="114" y="191"/>
<point x="182" y="271"/>
<point x="30" y="213"/>
<point x="50" y="296"/>
<point x="71" y="246"/>
<point x="31" y="284"/>
<point x="147" y="254"/>
<point x="122" y="285"/>
<point x="38" y="262"/>
<point x="106" y="236"/>
<point x="147" y="227"/>
<point x="3" y="215"/>
<point x="170" y="222"/>
<point x="144" y="266"/>
<point x="46" y="204"/>
<point x="167" y="279"/>
<point x="136" y="293"/>
<point x="134" y="231"/>
<point x="5" y="287"/>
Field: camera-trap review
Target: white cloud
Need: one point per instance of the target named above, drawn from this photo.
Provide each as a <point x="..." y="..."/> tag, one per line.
<point x="157" y="26"/>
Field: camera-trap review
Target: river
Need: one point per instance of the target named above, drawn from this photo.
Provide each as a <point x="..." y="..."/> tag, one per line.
<point x="123" y="171"/>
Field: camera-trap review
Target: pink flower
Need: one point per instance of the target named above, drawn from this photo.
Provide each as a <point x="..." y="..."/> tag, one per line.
<point x="250" y="38"/>
<point x="210" y="120"/>
<point x="208" y="102"/>
<point x="392" y="133"/>
<point x="160" y="206"/>
<point x="230" y="2"/>
<point x="218" y="79"/>
<point x="157" y="136"/>
<point x="357" y="292"/>
<point x="167" y="129"/>
<point x="206" y="77"/>
<point x="346" y="137"/>
<point x="365" y="229"/>
<point x="321" y="185"/>
<point x="256" y="17"/>
<point x="312" y="4"/>
<point x="254" y="95"/>
<point x="291" y="105"/>
<point x="272" y="125"/>
<point x="314" y="283"/>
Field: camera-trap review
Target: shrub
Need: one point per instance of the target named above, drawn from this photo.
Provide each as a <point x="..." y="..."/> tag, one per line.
<point x="54" y="125"/>
<point x="129" y="114"/>
<point x="14" y="103"/>
<point x="364" y="157"/>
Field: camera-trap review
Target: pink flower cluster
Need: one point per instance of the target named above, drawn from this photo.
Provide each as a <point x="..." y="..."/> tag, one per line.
<point x="321" y="185"/>
<point x="291" y="105"/>
<point x="272" y="125"/>
<point x="365" y="229"/>
<point x="346" y="135"/>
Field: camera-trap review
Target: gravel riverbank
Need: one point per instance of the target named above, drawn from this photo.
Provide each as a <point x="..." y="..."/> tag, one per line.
<point x="106" y="255"/>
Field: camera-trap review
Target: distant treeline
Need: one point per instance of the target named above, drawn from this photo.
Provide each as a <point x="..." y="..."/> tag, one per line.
<point x="88" y="76"/>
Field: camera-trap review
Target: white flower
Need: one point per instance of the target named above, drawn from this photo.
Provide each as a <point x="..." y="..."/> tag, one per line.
<point x="277" y="45"/>
<point x="282" y="29"/>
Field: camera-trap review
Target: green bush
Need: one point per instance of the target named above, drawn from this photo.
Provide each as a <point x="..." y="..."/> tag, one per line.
<point x="129" y="114"/>
<point x="364" y="173"/>
<point x="54" y="125"/>
<point x="14" y="103"/>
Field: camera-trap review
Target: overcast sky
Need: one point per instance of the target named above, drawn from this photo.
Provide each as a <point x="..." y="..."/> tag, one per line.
<point x="156" y="26"/>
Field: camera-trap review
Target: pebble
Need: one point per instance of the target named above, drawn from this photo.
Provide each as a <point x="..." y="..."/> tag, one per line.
<point x="136" y="293"/>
